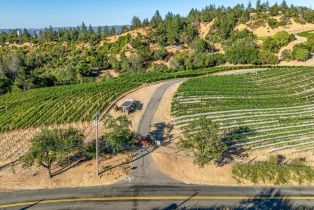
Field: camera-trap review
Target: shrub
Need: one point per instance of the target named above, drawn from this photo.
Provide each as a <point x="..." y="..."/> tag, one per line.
<point x="204" y="60"/>
<point x="280" y="39"/>
<point x="160" y="54"/>
<point x="273" y="23"/>
<point x="267" y="57"/>
<point x="181" y="61"/>
<point x="274" y="172"/>
<point x="286" y="55"/>
<point x="200" y="45"/>
<point x="300" y="53"/>
<point x="242" y="51"/>
<point x="158" y="67"/>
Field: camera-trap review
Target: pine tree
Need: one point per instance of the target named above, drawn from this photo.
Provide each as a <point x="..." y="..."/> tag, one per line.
<point x="136" y="23"/>
<point x="156" y="19"/>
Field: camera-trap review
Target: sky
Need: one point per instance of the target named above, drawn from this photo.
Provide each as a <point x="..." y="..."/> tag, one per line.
<point x="61" y="13"/>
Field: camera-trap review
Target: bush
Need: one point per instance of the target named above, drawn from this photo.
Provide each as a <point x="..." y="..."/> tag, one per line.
<point x="200" y="45"/>
<point x="204" y="60"/>
<point x="274" y="172"/>
<point x="300" y="53"/>
<point x="273" y="23"/>
<point x="280" y="39"/>
<point x="310" y="41"/>
<point x="267" y="57"/>
<point x="158" y="67"/>
<point x="242" y="51"/>
<point x="181" y="61"/>
<point x="286" y="55"/>
<point x="5" y="86"/>
<point x="160" y="54"/>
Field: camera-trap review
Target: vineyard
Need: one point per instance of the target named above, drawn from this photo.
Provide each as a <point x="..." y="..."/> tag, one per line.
<point x="270" y="110"/>
<point x="24" y="114"/>
<point x="73" y="103"/>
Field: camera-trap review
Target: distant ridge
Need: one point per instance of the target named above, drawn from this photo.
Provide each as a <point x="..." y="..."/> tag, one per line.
<point x="118" y="28"/>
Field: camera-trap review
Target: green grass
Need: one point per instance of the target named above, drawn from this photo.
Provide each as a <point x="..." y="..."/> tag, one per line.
<point x="306" y="33"/>
<point x="72" y="103"/>
<point x="262" y="38"/>
<point x="272" y="109"/>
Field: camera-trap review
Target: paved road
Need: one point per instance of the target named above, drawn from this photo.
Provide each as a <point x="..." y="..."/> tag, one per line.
<point x="148" y="188"/>
<point x="144" y="170"/>
<point x="129" y="196"/>
<point x="145" y="123"/>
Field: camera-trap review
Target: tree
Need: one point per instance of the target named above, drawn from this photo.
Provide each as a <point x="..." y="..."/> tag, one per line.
<point x="267" y="57"/>
<point x="26" y="35"/>
<point x="274" y="10"/>
<point x="200" y="45"/>
<point x="160" y="53"/>
<point x="118" y="132"/>
<point x="242" y="51"/>
<point x="112" y="31"/>
<point x="156" y="19"/>
<point x="5" y="85"/>
<point x="204" y="141"/>
<point x="136" y="22"/>
<point x="258" y="6"/>
<point x="50" y="146"/>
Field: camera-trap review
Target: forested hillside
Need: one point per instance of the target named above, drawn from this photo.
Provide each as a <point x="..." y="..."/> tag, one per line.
<point x="204" y="38"/>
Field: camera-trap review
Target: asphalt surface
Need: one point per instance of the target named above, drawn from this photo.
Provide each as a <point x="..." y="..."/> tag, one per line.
<point x="148" y="188"/>
<point x="144" y="170"/>
<point x="129" y="196"/>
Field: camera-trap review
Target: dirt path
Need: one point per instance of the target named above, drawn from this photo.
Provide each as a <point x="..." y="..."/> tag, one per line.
<point x="239" y="71"/>
<point x="299" y="39"/>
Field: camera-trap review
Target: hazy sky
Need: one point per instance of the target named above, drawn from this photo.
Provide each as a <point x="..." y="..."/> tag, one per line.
<point x="42" y="13"/>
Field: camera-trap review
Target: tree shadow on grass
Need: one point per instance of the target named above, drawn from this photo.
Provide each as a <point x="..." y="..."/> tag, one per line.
<point x="234" y="140"/>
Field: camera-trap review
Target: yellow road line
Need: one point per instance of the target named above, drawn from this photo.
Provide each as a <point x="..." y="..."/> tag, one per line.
<point x="156" y="198"/>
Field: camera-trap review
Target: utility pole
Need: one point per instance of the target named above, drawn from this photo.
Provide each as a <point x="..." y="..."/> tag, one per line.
<point x="96" y="119"/>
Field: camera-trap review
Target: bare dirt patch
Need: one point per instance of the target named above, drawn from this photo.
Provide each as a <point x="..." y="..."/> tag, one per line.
<point x="14" y="144"/>
<point x="204" y="29"/>
<point x="292" y="28"/>
<point x="133" y="33"/>
<point x="141" y="95"/>
<point x="240" y="71"/>
<point x="83" y="174"/>
<point x="309" y="62"/>
<point x="179" y="165"/>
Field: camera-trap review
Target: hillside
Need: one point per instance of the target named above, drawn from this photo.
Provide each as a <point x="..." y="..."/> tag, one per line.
<point x="204" y="38"/>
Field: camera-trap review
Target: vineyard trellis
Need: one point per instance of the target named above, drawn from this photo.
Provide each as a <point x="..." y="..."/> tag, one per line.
<point x="73" y="103"/>
<point x="270" y="109"/>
